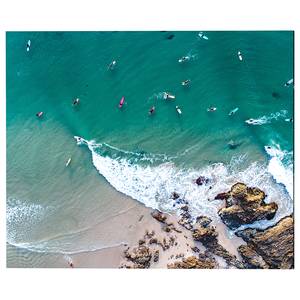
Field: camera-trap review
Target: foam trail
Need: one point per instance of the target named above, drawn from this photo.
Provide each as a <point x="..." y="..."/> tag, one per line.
<point x="267" y="119"/>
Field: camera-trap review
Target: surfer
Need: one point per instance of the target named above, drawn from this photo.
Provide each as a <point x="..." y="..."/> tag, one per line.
<point x="183" y="59"/>
<point x="201" y="35"/>
<point x="78" y="139"/>
<point x="122" y="101"/>
<point x="289" y="120"/>
<point x="28" y="45"/>
<point x="112" y="65"/>
<point x="289" y="82"/>
<point x="152" y="110"/>
<point x="178" y="110"/>
<point x="39" y="114"/>
<point x="185" y="82"/>
<point x="210" y="109"/>
<point x="233" y="111"/>
<point x="168" y="96"/>
<point x="76" y="101"/>
<point x="240" y="55"/>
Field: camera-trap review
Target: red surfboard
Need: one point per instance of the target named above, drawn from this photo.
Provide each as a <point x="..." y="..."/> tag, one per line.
<point x="121" y="102"/>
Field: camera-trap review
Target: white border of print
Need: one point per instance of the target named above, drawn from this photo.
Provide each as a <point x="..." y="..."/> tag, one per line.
<point x="143" y="15"/>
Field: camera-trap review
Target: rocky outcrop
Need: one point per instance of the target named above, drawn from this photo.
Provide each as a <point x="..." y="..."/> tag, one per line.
<point x="201" y="180"/>
<point x="193" y="262"/>
<point x="251" y="259"/>
<point x="207" y="235"/>
<point x="159" y="216"/>
<point x="140" y="256"/>
<point x="245" y="205"/>
<point x="274" y="245"/>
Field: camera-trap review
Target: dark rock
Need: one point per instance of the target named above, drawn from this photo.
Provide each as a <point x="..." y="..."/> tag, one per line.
<point x="184" y="208"/>
<point x="140" y="256"/>
<point x="275" y="244"/>
<point x="156" y="256"/>
<point x="159" y="216"/>
<point x="222" y="196"/>
<point x="251" y="259"/>
<point x="195" y="249"/>
<point x="202" y="180"/>
<point x="247" y="206"/>
<point x="175" y="195"/>
<point x="203" y="221"/>
<point x="166" y="228"/>
<point x="205" y="235"/>
<point x="141" y="242"/>
<point x="193" y="262"/>
<point x="153" y="241"/>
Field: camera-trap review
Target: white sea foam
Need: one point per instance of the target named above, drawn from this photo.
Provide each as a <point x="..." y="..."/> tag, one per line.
<point x="153" y="184"/>
<point x="267" y="119"/>
<point x="281" y="172"/>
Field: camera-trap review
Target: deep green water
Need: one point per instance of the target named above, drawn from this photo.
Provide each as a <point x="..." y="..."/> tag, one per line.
<point x="46" y="199"/>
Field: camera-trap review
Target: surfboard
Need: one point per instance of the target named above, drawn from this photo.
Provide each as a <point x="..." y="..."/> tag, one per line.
<point x="68" y="161"/>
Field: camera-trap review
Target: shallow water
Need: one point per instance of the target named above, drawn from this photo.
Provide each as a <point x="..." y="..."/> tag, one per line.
<point x="145" y="157"/>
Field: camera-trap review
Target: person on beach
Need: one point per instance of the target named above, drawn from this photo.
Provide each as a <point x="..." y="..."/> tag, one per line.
<point x="39" y="114"/>
<point x="152" y="110"/>
<point x="76" y="101"/>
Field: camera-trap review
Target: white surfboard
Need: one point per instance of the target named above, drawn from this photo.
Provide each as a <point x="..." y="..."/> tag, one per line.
<point x="69" y="161"/>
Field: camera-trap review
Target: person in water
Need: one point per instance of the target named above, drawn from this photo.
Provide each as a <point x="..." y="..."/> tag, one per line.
<point x="152" y="110"/>
<point x="212" y="109"/>
<point x="39" y="114"/>
<point x="186" y="82"/>
<point x="76" y="101"/>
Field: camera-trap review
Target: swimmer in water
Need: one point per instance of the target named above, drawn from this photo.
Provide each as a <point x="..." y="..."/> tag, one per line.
<point x="112" y="65"/>
<point x="168" y="96"/>
<point x="289" y="120"/>
<point x="289" y="82"/>
<point x="39" y="114"/>
<point x="186" y="82"/>
<point x="178" y="110"/>
<point x="28" y="45"/>
<point x="152" y="110"/>
<point x="76" y="101"/>
<point x="240" y="55"/>
<point x="183" y="59"/>
<point x="210" y="109"/>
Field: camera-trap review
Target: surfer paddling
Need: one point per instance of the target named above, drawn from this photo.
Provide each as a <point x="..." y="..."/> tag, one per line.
<point x="39" y="114"/>
<point x="28" y="45"/>
<point x="168" y="96"/>
<point x="152" y="110"/>
<point x="122" y="101"/>
<point x="186" y="82"/>
<point x="211" y="109"/>
<point x="76" y="101"/>
<point x="112" y="65"/>
<point x="178" y="110"/>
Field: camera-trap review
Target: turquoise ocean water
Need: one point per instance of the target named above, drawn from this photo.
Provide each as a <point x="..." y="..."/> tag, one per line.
<point x="50" y="207"/>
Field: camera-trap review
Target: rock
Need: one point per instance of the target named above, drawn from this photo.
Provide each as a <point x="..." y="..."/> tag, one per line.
<point x="166" y="228"/>
<point x="159" y="216"/>
<point x="275" y="244"/>
<point x="203" y="221"/>
<point x="222" y="196"/>
<point x="202" y="180"/>
<point x="251" y="259"/>
<point x="184" y="208"/>
<point x="205" y="235"/>
<point x="156" y="256"/>
<point x="140" y="256"/>
<point x="153" y="241"/>
<point x="141" y="242"/>
<point x="192" y="262"/>
<point x="195" y="249"/>
<point x="246" y="207"/>
<point x="175" y="196"/>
